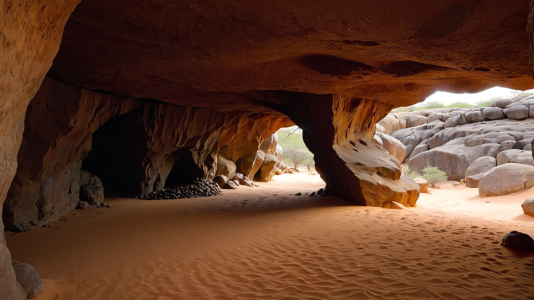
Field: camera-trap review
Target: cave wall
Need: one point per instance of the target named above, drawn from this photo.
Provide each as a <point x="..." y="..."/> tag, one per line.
<point x="27" y="51"/>
<point x="62" y="119"/>
<point x="339" y="131"/>
<point x="59" y="122"/>
<point x="215" y="55"/>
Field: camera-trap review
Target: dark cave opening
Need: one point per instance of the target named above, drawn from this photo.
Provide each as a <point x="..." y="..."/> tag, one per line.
<point x="118" y="148"/>
<point x="184" y="169"/>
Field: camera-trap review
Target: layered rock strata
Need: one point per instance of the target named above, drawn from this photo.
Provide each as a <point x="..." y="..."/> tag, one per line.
<point x="31" y="33"/>
<point x="62" y="120"/>
<point x="221" y="55"/>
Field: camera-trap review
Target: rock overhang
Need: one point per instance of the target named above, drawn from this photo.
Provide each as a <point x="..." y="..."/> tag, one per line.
<point x="217" y="54"/>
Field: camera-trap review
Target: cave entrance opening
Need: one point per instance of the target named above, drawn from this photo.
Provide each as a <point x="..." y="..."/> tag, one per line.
<point x="183" y="168"/>
<point x="295" y="155"/>
<point x="118" y="148"/>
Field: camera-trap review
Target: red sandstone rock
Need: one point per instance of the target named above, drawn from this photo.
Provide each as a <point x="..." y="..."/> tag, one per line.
<point x="229" y="57"/>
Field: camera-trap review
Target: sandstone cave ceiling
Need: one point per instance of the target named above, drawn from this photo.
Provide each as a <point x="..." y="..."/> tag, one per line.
<point x="219" y="54"/>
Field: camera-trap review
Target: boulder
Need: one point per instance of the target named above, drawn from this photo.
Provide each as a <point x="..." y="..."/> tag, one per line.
<point x="524" y="158"/>
<point x="515" y="156"/>
<point x="506" y="179"/>
<point x="237" y="176"/>
<point x="528" y="207"/>
<point x="258" y="161"/>
<point x="492" y="113"/>
<point x="269" y="144"/>
<point x="266" y="171"/>
<point x="393" y="146"/>
<point x="452" y="158"/>
<point x="380" y="129"/>
<point x="225" y="167"/>
<point x="220" y="180"/>
<point x="507" y="145"/>
<point x="531" y="112"/>
<point x="478" y="166"/>
<point x="435" y="117"/>
<point x="503" y="102"/>
<point x="517" y="112"/>
<point x="459" y="120"/>
<point x="391" y="124"/>
<point x="423" y="184"/>
<point x="28" y="278"/>
<point x="422" y="147"/>
<point x="411" y="137"/>
<point x="474" y="116"/>
<point x="473" y="181"/>
<point x="82" y="205"/>
<point x="415" y="120"/>
<point x="518" y="240"/>
<point x="246" y="181"/>
<point x="449" y="123"/>
<point x="92" y="194"/>
<point x="230" y="185"/>
<point x="393" y="205"/>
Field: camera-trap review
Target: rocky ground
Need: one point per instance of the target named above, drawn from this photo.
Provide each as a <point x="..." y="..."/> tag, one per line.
<point x="490" y="148"/>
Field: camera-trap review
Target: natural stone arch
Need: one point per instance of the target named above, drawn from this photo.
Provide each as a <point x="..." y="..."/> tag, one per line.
<point x="385" y="56"/>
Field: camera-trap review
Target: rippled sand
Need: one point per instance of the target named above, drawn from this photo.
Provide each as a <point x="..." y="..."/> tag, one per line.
<point x="266" y="243"/>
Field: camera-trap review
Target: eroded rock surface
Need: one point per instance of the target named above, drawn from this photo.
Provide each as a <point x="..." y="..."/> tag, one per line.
<point x="506" y="179"/>
<point x="218" y="62"/>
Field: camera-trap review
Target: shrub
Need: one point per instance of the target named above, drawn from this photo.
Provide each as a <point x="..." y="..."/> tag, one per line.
<point x="434" y="175"/>
<point x="410" y="173"/>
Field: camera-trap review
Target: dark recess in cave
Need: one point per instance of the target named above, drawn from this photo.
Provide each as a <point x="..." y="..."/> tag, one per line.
<point x="184" y="170"/>
<point x="118" y="149"/>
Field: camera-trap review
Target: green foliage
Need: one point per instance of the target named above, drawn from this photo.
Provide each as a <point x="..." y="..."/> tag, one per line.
<point x="431" y="105"/>
<point x="459" y="104"/>
<point x="434" y="175"/>
<point x="297" y="156"/>
<point x="295" y="151"/>
<point x="406" y="170"/>
<point x="484" y="103"/>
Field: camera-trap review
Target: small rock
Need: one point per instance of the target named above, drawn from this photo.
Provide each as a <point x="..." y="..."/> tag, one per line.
<point x="82" y="205"/>
<point x="230" y="185"/>
<point x="528" y="207"/>
<point x="423" y="185"/>
<point x="28" y="278"/>
<point x="298" y="194"/>
<point x="518" y="240"/>
<point x="393" y="205"/>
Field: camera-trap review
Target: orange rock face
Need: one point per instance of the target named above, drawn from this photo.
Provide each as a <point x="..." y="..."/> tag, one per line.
<point x="61" y="125"/>
<point x="31" y="33"/>
<point x="214" y="54"/>
<point x="222" y="76"/>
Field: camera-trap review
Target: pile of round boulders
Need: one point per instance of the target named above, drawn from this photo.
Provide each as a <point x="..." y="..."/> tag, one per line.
<point x="489" y="148"/>
<point x="199" y="188"/>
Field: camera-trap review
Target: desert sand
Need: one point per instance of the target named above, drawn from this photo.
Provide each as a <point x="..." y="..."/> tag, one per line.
<point x="267" y="243"/>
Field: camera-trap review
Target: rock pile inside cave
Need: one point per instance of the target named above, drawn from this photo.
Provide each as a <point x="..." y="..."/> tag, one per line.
<point x="198" y="188"/>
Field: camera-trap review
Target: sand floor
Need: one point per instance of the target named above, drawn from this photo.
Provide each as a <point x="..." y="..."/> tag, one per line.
<point x="266" y="243"/>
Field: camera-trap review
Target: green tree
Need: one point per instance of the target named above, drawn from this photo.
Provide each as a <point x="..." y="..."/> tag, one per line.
<point x="434" y="175"/>
<point x="297" y="156"/>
